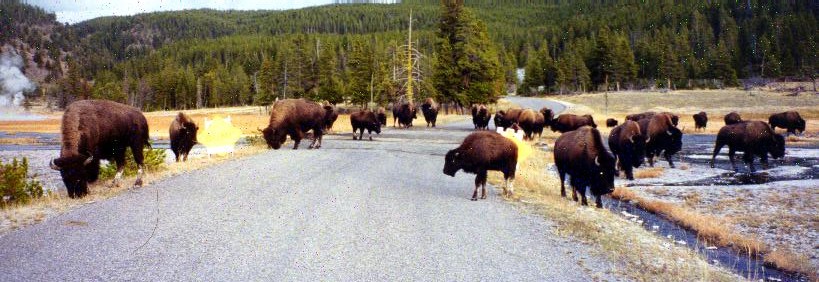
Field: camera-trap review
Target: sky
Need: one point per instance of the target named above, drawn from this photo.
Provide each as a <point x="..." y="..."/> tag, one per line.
<point x="74" y="11"/>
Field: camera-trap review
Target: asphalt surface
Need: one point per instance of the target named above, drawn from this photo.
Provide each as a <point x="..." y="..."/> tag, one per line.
<point x="352" y="210"/>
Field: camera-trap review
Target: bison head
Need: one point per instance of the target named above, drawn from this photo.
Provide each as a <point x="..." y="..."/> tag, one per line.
<point x="274" y="138"/>
<point x="603" y="173"/>
<point x="77" y="171"/>
<point x="382" y="118"/>
<point x="777" y="149"/>
<point x="452" y="162"/>
<point x="675" y="143"/>
<point x="189" y="128"/>
<point x="637" y="149"/>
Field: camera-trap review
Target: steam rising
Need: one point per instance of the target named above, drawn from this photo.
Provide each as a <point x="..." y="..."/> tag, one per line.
<point x="12" y="81"/>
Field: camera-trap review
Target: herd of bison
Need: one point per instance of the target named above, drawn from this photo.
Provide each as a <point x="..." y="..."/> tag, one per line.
<point x="94" y="130"/>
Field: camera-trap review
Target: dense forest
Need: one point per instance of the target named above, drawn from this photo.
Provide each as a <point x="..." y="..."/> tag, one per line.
<point x="357" y="52"/>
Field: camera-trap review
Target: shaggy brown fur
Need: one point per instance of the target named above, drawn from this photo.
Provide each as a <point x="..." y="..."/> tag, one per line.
<point x="700" y="120"/>
<point x="362" y="120"/>
<point x="531" y="122"/>
<point x="662" y="137"/>
<point x="755" y="138"/>
<point x="330" y="116"/>
<point x="430" y="110"/>
<point x="480" y="116"/>
<point x="568" y="122"/>
<point x="295" y="117"/>
<point x="94" y="130"/>
<point x="732" y="118"/>
<point x="405" y="114"/>
<point x="627" y="143"/>
<point x="790" y="120"/>
<point x="480" y="152"/>
<point x="581" y="155"/>
<point x="507" y="118"/>
<point x="381" y="113"/>
<point x="183" y="136"/>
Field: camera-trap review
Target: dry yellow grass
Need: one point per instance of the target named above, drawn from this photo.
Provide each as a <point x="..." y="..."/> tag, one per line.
<point x="644" y="255"/>
<point x="18" y="141"/>
<point x="790" y="260"/>
<point x="648" y="172"/>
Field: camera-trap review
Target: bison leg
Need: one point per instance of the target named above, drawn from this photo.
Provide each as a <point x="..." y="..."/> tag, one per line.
<point x="354" y="136"/>
<point x="480" y="179"/>
<point x="717" y="148"/>
<point x="562" y="182"/>
<point x="598" y="201"/>
<point x="582" y="192"/>
<point x="764" y="160"/>
<point x="370" y="134"/>
<point x="668" y="159"/>
<point x="748" y="158"/>
<point x="629" y="169"/>
<point x="731" y="153"/>
<point x="138" y="158"/>
<point x="119" y="159"/>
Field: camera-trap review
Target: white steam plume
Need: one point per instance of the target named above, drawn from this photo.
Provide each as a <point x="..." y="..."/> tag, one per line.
<point x="12" y="81"/>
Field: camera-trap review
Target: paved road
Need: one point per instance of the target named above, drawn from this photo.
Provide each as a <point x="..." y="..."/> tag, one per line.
<point x="353" y="210"/>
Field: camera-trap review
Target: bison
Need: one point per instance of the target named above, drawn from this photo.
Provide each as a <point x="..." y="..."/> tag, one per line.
<point x="755" y="138"/>
<point x="611" y="122"/>
<point x="700" y="120"/>
<point x="507" y="118"/>
<point x="405" y="114"/>
<point x="548" y="116"/>
<point x="330" y="117"/>
<point x="430" y="110"/>
<point x="365" y="119"/>
<point x="480" y="152"/>
<point x="480" y="116"/>
<point x="295" y="117"/>
<point x="732" y="118"/>
<point x="627" y="143"/>
<point x="790" y="120"/>
<point x="568" y="122"/>
<point x="381" y="114"/>
<point x="94" y="130"/>
<point x="581" y="155"/>
<point x="531" y="122"/>
<point x="183" y="136"/>
<point x="662" y="137"/>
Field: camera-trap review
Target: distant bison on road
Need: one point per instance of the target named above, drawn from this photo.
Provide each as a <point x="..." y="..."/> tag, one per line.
<point x="480" y="116"/>
<point x="405" y="113"/>
<point x="568" y="122"/>
<point x="430" y="110"/>
<point x="94" y="130"/>
<point x="362" y="120"/>
<point x="532" y="123"/>
<point x="183" y="136"/>
<point x="480" y="152"/>
<point x="611" y="122"/>
<point x="506" y="119"/>
<point x="790" y="120"/>
<point x="732" y="118"/>
<point x="295" y="117"/>
<point x="755" y="138"/>
<point x="700" y="120"/>
<point x="581" y="155"/>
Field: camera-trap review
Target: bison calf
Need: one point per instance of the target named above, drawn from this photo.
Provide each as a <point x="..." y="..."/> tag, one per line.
<point x="183" y="136"/>
<point x="480" y="152"/>
<point x="362" y="120"/>
<point x="700" y="120"/>
<point x="790" y="120"/>
<point x="581" y="155"/>
<point x="755" y="138"/>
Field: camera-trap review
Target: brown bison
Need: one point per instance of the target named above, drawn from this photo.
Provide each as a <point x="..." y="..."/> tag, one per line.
<point x="638" y="117"/>
<point x="732" y="118"/>
<point x="790" y="120"/>
<point x="330" y="117"/>
<point x="568" y="122"/>
<point x="430" y="110"/>
<point x="627" y="143"/>
<point x="94" y="130"/>
<point x="507" y="118"/>
<point x="480" y="152"/>
<point x="365" y="119"/>
<point x="581" y="155"/>
<point x="381" y="114"/>
<point x="755" y="138"/>
<point x="700" y="120"/>
<point x="183" y="136"/>
<point x="548" y="116"/>
<point x="611" y="122"/>
<point x="480" y="116"/>
<point x="532" y="123"/>
<point x="405" y="113"/>
<point x="662" y="137"/>
<point x="295" y="117"/>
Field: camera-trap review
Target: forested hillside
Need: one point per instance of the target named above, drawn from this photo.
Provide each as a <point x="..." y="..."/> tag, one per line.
<point x="342" y="52"/>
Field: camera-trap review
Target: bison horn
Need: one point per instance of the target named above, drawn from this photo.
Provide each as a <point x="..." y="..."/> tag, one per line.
<point x="648" y="139"/>
<point x="53" y="165"/>
<point x="88" y="160"/>
<point x="597" y="160"/>
<point x="668" y="132"/>
<point x="631" y="139"/>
